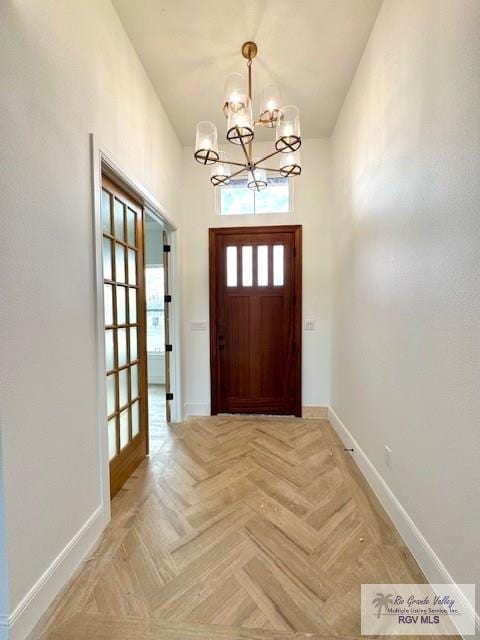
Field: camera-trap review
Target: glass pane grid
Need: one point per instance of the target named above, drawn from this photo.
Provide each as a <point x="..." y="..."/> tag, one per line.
<point x="127" y="245"/>
<point x="119" y="223"/>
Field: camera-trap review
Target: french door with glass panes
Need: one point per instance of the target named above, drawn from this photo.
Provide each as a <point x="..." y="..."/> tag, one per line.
<point x="125" y="350"/>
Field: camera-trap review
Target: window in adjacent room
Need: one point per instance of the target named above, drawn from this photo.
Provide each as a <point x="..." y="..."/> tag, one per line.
<point x="154" y="291"/>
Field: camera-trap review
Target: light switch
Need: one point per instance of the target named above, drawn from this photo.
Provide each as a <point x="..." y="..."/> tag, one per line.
<point x="198" y="326"/>
<point x="309" y="325"/>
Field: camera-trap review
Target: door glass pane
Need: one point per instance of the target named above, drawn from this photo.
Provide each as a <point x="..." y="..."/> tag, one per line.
<point x="278" y="265"/>
<point x="122" y="347"/>
<point x="112" y="438"/>
<point x="111" y="396"/>
<point x="133" y="344"/>
<point x="106" y="223"/>
<point x="123" y="387"/>
<point x="135" y="419"/>
<point x="121" y="306"/>
<point x="119" y="263"/>
<point x="123" y="428"/>
<point x="132" y="267"/>
<point x="108" y="297"/>
<point x="118" y="216"/>
<point x="132" y="305"/>
<point x="109" y="353"/>
<point x="131" y="219"/>
<point x="134" y="380"/>
<point x="247" y="276"/>
<point x="231" y="266"/>
<point x="262" y="266"/>
<point x="107" y="259"/>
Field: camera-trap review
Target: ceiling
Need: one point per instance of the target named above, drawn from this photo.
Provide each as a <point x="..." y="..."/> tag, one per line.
<point x="311" y="48"/>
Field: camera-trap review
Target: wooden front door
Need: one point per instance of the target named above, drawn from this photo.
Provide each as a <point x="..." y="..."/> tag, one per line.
<point x="125" y="348"/>
<point x="255" y="320"/>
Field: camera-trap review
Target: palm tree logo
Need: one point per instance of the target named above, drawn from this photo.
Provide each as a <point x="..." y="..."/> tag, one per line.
<point x="382" y="601"/>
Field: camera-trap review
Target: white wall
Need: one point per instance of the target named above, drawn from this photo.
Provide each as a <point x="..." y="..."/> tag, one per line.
<point x="67" y="69"/>
<point x="406" y="280"/>
<point x="312" y="211"/>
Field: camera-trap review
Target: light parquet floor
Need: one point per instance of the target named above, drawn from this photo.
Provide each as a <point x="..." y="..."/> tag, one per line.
<point x="235" y="528"/>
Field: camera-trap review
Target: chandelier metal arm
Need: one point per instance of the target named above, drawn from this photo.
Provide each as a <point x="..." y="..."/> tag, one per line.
<point x="238" y="172"/>
<point x="268" y="169"/>
<point x="247" y="156"/>
<point x="270" y="155"/>
<point x="236" y="164"/>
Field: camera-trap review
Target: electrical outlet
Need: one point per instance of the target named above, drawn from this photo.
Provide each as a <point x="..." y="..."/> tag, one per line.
<point x="198" y="326"/>
<point x="388" y="456"/>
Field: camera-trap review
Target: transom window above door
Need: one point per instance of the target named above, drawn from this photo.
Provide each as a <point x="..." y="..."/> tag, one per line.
<point x="237" y="199"/>
<point x="255" y="266"/>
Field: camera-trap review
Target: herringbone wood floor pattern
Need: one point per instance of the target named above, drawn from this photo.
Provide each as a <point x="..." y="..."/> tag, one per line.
<point x="236" y="528"/>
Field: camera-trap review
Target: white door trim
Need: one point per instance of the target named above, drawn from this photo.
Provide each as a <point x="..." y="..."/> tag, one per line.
<point x="103" y="161"/>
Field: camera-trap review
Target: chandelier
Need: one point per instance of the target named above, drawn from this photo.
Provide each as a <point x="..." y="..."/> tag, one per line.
<point x="241" y="131"/>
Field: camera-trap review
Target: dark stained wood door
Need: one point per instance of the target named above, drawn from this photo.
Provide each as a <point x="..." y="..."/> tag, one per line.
<point x="255" y="320"/>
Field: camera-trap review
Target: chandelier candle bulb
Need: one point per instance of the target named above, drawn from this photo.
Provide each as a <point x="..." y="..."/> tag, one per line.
<point x="270" y="105"/>
<point x="206" y="143"/>
<point x="288" y="129"/>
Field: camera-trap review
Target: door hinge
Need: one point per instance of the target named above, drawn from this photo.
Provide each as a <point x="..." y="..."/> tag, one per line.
<point x="168" y="347"/>
<point x="169" y="396"/>
<point x="167" y="298"/>
<point x="166" y="248"/>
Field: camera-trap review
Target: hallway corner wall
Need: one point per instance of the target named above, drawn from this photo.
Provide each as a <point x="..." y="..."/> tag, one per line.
<point x="406" y="268"/>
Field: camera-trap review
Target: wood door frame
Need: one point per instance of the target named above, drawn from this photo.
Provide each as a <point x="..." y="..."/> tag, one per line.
<point x="296" y="229"/>
<point x="103" y="162"/>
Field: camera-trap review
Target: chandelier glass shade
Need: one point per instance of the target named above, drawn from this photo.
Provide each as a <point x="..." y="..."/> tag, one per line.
<point x="289" y="164"/>
<point x="206" y="143"/>
<point x="270" y="105"/>
<point x="240" y="131"/>
<point x="220" y="173"/>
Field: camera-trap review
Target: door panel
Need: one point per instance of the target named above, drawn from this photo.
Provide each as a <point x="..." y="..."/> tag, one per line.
<point x="255" y="319"/>
<point x="124" y="332"/>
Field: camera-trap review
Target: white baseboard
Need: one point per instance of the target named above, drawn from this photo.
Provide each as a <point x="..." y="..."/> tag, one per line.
<point x="428" y="561"/>
<point x="191" y="409"/>
<point x="34" y="604"/>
